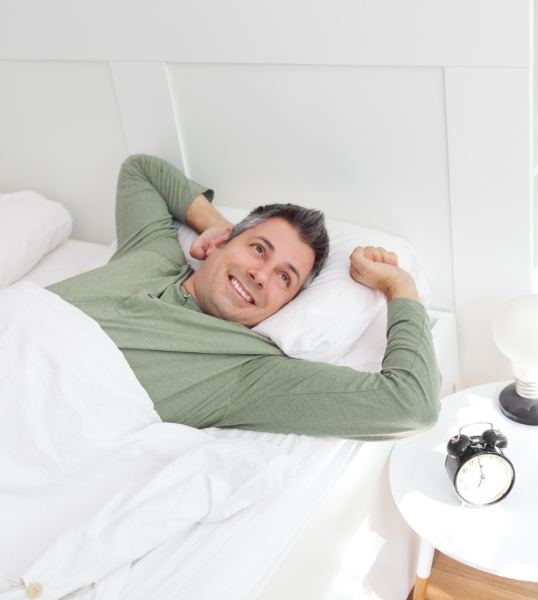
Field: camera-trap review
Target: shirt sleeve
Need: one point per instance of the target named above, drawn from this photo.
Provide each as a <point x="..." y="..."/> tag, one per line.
<point x="287" y="395"/>
<point x="151" y="193"/>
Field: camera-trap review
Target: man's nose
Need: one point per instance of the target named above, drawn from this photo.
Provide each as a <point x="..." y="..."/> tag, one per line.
<point x="259" y="276"/>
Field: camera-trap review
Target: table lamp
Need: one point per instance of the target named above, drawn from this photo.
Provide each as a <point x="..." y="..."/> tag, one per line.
<point x="515" y="331"/>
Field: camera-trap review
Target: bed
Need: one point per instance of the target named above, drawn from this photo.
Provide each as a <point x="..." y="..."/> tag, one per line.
<point x="331" y="532"/>
<point x="360" y="109"/>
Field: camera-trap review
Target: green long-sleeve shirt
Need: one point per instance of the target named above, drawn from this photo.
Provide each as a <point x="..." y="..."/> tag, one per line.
<point x="204" y="371"/>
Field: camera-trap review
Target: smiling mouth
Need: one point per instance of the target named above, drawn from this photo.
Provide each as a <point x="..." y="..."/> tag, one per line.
<point x="240" y="290"/>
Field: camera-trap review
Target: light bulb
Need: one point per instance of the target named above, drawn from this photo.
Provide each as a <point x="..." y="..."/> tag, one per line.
<point x="515" y="332"/>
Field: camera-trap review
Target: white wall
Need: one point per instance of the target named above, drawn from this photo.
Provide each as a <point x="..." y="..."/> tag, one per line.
<point x="365" y="144"/>
<point x="477" y="33"/>
<point x="411" y="117"/>
<point x="61" y="134"/>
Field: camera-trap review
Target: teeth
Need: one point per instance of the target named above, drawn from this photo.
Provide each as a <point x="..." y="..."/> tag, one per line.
<point x="236" y="285"/>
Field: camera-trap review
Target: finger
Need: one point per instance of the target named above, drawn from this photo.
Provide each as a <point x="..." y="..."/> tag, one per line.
<point x="392" y="258"/>
<point x="198" y="249"/>
<point x="359" y="260"/>
<point x="388" y="257"/>
<point x="375" y="254"/>
<point x="366" y="251"/>
<point x="355" y="273"/>
<point x="357" y="252"/>
<point x="195" y="250"/>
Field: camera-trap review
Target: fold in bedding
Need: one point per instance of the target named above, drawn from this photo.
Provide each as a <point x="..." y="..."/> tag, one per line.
<point x="90" y="478"/>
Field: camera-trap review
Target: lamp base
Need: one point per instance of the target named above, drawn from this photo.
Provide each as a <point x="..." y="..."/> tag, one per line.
<point x="513" y="406"/>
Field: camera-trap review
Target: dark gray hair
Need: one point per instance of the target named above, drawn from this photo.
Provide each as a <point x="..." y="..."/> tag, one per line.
<point x="308" y="222"/>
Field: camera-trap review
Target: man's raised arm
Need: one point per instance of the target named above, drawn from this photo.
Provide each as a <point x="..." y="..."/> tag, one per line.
<point x="276" y="393"/>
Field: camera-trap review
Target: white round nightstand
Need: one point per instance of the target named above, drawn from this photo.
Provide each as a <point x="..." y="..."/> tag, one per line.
<point x="501" y="538"/>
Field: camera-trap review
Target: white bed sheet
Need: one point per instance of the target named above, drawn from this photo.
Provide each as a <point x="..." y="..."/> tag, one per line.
<point x="220" y="560"/>
<point x="236" y="559"/>
<point x="68" y="259"/>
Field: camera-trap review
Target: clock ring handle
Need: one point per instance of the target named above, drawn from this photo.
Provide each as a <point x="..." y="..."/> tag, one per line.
<point x="475" y="423"/>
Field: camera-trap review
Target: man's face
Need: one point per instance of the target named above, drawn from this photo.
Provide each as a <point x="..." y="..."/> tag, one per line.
<point x="253" y="275"/>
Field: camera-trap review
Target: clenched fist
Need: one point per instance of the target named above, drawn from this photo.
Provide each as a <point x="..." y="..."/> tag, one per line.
<point x="210" y="239"/>
<point x="378" y="269"/>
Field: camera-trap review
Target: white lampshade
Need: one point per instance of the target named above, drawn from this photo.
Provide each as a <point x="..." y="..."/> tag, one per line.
<point x="515" y="332"/>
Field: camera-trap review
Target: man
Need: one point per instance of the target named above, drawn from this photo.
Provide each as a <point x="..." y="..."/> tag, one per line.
<point x="187" y="335"/>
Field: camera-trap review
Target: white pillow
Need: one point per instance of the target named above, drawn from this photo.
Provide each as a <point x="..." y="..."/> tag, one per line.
<point x="367" y="352"/>
<point x="30" y="226"/>
<point x="324" y="321"/>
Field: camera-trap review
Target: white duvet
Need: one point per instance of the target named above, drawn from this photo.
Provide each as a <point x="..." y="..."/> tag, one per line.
<point x="90" y="478"/>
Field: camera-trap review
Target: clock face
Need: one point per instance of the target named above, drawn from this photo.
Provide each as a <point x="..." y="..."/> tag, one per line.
<point x="484" y="479"/>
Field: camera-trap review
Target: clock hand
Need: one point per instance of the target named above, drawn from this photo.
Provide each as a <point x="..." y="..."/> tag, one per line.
<point x="482" y="476"/>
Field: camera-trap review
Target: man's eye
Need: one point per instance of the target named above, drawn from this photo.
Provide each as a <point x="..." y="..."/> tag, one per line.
<point x="285" y="278"/>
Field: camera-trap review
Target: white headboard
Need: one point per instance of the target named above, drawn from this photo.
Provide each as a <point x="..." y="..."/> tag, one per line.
<point x="412" y="117"/>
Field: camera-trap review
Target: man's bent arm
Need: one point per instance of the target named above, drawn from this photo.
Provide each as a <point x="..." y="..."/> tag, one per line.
<point x="151" y="193"/>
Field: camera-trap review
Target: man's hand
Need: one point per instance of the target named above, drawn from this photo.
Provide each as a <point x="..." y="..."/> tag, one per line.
<point x="378" y="269"/>
<point x="210" y="239"/>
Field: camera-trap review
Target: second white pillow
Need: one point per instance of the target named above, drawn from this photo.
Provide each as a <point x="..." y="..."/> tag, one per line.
<point x="30" y="226"/>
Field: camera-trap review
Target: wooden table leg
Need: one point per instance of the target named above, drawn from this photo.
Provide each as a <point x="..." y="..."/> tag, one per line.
<point x="424" y="568"/>
<point x="419" y="592"/>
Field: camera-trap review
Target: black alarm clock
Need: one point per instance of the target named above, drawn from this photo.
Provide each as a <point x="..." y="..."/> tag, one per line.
<point x="476" y="465"/>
